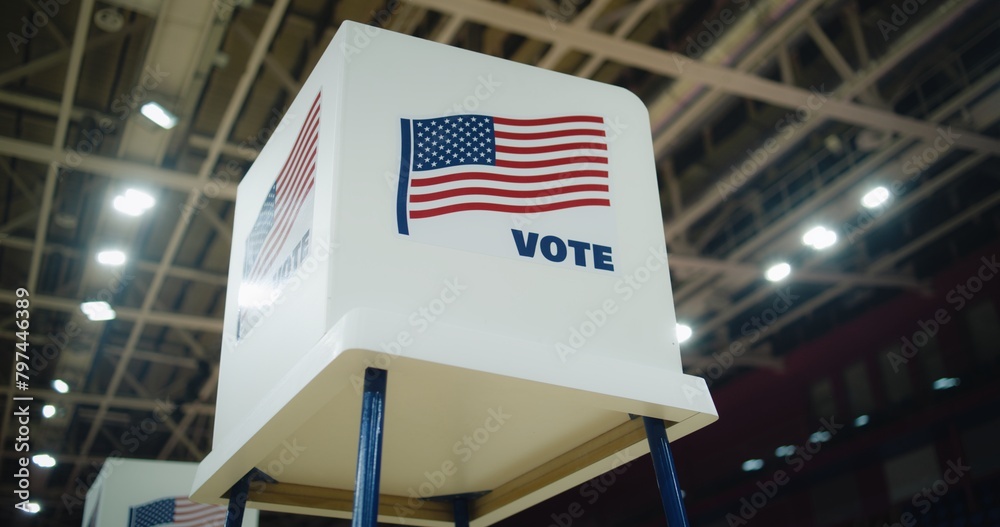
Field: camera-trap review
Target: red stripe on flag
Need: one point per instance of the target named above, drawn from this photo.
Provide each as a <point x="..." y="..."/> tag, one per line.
<point x="516" y="209"/>
<point x="300" y="140"/>
<point x="505" y="193"/>
<point x="551" y="162"/>
<point x="548" y="120"/>
<point x="285" y="212"/>
<point x="486" y="176"/>
<point x="283" y="203"/>
<point x="505" y="149"/>
<point x="548" y="135"/>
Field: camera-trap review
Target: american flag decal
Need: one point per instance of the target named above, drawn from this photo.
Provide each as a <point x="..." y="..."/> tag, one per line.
<point x="178" y="511"/>
<point x="293" y="184"/>
<point x="465" y="163"/>
<point x="273" y="250"/>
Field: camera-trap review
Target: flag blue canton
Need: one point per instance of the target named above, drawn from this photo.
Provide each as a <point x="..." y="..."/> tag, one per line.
<point x="154" y="513"/>
<point x="453" y="141"/>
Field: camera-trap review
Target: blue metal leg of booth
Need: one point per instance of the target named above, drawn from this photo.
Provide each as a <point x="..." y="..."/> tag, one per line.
<point x="366" y="483"/>
<point x="238" y="501"/>
<point x="666" y="472"/>
<point x="461" y="505"/>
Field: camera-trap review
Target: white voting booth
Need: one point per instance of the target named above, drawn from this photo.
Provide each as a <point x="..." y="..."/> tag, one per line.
<point x="473" y="249"/>
<point x="140" y="493"/>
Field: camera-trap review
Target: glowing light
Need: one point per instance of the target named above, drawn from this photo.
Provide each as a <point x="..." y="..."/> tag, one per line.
<point x="133" y="202"/>
<point x="44" y="460"/>
<point x="820" y="437"/>
<point x="159" y="115"/>
<point x="111" y="257"/>
<point x="256" y="295"/>
<point x="875" y="197"/>
<point x="60" y="386"/>
<point x="784" y="451"/>
<point x="946" y="382"/>
<point x="48" y="411"/>
<point x="860" y="421"/>
<point x="819" y="238"/>
<point x="751" y="465"/>
<point x="778" y="272"/>
<point x="98" y="311"/>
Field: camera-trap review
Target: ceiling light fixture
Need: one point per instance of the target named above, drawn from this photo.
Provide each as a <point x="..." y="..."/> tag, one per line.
<point x="875" y="197"/>
<point x="133" y="202"/>
<point x="44" y="460"/>
<point x="48" y="411"/>
<point x="751" y="465"/>
<point x="784" y="451"/>
<point x="98" y="310"/>
<point x="946" y="382"/>
<point x="60" y="386"/>
<point x="778" y="272"/>
<point x="155" y="112"/>
<point x="819" y="238"/>
<point x="111" y="257"/>
<point x="820" y="437"/>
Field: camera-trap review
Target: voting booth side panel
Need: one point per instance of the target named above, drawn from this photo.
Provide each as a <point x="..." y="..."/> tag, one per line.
<point x="278" y="279"/>
<point x="472" y="268"/>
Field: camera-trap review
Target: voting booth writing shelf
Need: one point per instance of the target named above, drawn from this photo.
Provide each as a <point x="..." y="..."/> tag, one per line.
<point x="465" y="256"/>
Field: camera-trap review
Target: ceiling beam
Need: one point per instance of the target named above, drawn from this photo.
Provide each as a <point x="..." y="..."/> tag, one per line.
<point x="186" y="273"/>
<point x="111" y="167"/>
